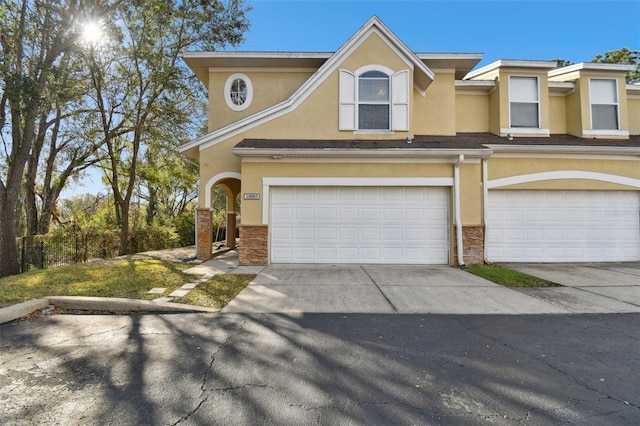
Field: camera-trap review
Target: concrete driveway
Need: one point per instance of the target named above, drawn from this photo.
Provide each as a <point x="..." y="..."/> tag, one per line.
<point x="588" y="287"/>
<point x="407" y="289"/>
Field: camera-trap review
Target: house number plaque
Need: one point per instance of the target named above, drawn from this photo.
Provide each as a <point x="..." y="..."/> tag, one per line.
<point x="251" y="196"/>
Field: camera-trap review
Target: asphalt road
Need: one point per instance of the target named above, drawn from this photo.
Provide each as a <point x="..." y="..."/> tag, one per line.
<point x="321" y="369"/>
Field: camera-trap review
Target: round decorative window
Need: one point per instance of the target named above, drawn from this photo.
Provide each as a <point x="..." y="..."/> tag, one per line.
<point x="238" y="92"/>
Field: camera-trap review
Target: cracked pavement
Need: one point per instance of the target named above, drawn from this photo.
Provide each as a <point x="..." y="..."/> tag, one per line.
<point x="192" y="369"/>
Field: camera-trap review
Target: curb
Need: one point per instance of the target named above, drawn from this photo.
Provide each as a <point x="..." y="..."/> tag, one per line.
<point x="20" y="310"/>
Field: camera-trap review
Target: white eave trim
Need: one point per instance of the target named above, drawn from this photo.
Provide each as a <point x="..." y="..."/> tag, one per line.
<point x="511" y="63"/>
<point x="257" y="55"/>
<point x="372" y="25"/>
<point x="472" y="56"/>
<point x="367" y="153"/>
<point x="478" y="85"/>
<point x="560" y="149"/>
<point x="591" y="66"/>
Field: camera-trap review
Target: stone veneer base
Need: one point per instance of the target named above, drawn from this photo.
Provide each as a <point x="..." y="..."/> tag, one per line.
<point x="254" y="245"/>
<point x="473" y="245"/>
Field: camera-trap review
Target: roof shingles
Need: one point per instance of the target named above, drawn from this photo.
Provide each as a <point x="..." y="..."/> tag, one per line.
<point x="463" y="141"/>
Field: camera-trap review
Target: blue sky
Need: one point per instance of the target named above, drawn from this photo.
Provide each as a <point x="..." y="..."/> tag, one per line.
<point x="542" y="30"/>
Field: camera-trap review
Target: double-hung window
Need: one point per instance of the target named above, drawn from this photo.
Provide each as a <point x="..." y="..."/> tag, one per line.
<point x="604" y="104"/>
<point x="524" y="102"/>
<point x="374" y="99"/>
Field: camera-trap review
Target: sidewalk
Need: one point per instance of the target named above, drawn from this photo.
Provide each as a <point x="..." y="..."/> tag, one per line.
<point x="224" y="263"/>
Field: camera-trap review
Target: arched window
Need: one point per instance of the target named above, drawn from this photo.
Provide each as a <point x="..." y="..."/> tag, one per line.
<point x="373" y="101"/>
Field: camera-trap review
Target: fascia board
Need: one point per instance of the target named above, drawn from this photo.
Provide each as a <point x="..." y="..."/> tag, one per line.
<point x="257" y="55"/>
<point x="510" y="63"/>
<point x="369" y="153"/>
<point x="454" y="56"/>
<point x="308" y="87"/>
<point x="558" y="149"/>
<point x="591" y="66"/>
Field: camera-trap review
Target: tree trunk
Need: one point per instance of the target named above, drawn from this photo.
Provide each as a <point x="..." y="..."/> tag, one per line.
<point x="9" y="264"/>
<point x="124" y="231"/>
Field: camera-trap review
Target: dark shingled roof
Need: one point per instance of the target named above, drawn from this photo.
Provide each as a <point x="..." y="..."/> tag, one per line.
<point x="460" y="141"/>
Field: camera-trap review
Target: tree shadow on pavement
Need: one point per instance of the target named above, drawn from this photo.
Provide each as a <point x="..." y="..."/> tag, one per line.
<point x="320" y="368"/>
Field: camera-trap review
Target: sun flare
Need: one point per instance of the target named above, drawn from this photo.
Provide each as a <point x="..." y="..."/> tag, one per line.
<point x="92" y="32"/>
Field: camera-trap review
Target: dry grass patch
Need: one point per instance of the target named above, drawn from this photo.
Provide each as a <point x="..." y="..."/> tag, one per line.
<point x="126" y="278"/>
<point x="217" y="291"/>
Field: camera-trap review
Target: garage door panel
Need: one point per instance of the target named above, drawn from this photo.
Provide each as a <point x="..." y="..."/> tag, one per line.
<point x="368" y="224"/>
<point x="348" y="214"/>
<point x="370" y="214"/>
<point x="563" y="226"/>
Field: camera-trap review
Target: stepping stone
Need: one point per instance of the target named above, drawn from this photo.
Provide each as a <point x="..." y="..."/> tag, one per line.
<point x="189" y="286"/>
<point x="179" y="293"/>
<point x="157" y="290"/>
<point x="163" y="299"/>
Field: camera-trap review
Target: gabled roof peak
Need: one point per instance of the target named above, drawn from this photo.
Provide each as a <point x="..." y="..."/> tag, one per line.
<point x="423" y="76"/>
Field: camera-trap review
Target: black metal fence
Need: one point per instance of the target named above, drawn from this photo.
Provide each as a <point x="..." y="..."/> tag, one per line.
<point x="44" y="251"/>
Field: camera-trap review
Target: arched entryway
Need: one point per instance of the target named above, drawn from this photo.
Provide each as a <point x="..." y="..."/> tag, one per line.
<point x="230" y="183"/>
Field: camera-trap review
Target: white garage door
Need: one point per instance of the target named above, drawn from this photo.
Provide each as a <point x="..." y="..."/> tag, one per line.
<point x="563" y="226"/>
<point x="359" y="225"/>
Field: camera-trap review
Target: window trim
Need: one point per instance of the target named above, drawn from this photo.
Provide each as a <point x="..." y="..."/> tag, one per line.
<point x="360" y="103"/>
<point x="399" y="99"/>
<point x="539" y="118"/>
<point x="227" y="92"/>
<point x="617" y="105"/>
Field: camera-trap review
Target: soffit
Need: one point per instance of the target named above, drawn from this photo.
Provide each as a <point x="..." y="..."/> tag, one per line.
<point x="462" y="63"/>
<point x="201" y="62"/>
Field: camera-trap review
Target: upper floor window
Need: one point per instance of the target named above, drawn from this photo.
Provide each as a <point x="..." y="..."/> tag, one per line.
<point x="238" y="92"/>
<point x="524" y="102"/>
<point x="373" y="101"/>
<point x="604" y="104"/>
<point x="374" y="98"/>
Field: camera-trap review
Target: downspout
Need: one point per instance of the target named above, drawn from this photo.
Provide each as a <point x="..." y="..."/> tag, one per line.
<point x="456" y="195"/>
<point x="485" y="207"/>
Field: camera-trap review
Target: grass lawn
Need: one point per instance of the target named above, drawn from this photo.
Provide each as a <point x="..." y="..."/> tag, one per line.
<point x="125" y="278"/>
<point x="216" y="292"/>
<point x="507" y="277"/>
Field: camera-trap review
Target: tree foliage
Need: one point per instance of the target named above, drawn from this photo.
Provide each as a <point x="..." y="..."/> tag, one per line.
<point x="123" y="102"/>
<point x="145" y="98"/>
<point x="622" y="56"/>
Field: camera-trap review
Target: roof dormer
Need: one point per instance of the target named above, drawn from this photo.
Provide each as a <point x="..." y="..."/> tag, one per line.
<point x="599" y="99"/>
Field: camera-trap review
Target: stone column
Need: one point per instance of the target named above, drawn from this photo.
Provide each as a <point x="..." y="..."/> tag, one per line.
<point x="204" y="231"/>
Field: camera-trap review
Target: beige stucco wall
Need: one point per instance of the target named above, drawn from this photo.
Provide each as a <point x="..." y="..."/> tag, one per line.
<point x="633" y="105"/>
<point x="472" y="113"/>
<point x="507" y="167"/>
<point x="574" y="112"/>
<point x="270" y="87"/>
<point x="435" y="113"/>
<point x="217" y="160"/>
<point x="557" y="115"/>
<point x="253" y="172"/>
<point x="471" y="193"/>
<point x="494" y="107"/>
